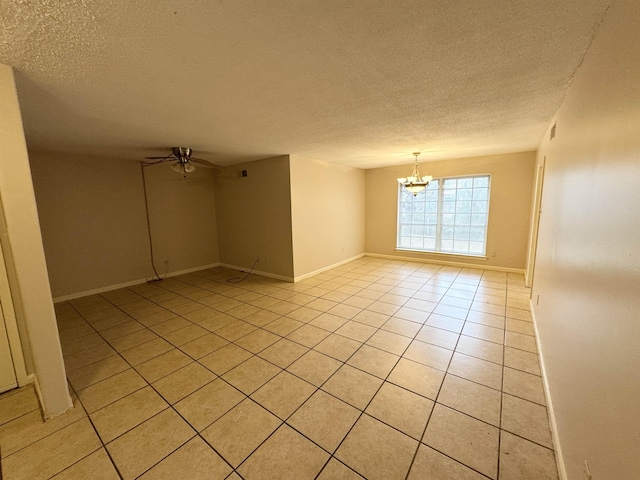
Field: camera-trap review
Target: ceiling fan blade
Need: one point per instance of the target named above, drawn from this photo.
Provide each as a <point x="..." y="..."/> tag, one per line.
<point x="203" y="163"/>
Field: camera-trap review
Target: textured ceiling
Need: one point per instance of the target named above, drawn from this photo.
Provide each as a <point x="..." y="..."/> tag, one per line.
<point x="359" y="82"/>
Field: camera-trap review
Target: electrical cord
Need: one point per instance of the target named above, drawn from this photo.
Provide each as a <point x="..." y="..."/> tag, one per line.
<point x="157" y="277"/>
<point x="238" y="279"/>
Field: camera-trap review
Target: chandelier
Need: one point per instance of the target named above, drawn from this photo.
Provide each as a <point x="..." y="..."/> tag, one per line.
<point x="415" y="183"/>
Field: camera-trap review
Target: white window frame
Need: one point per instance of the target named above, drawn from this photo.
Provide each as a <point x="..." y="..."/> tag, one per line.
<point x="439" y="225"/>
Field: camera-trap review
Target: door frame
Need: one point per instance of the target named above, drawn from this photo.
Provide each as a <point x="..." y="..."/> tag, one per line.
<point x="535" y="224"/>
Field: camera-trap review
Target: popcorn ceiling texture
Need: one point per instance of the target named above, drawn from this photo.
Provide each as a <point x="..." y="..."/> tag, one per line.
<point x="360" y="83"/>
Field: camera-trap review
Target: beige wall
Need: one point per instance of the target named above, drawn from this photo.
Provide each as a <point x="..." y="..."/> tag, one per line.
<point x="94" y="227"/>
<point x="254" y="216"/>
<point x="24" y="256"/>
<point x="327" y="209"/>
<point x="587" y="274"/>
<point x="512" y="177"/>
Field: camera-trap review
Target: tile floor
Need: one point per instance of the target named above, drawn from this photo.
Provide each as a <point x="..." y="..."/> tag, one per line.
<point x="377" y="369"/>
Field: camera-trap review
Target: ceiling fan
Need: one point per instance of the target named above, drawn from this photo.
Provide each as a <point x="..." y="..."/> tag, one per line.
<point x="184" y="162"/>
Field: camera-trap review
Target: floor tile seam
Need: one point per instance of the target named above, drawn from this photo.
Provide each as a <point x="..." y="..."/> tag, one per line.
<point x="118" y="399"/>
<point x="519" y="435"/>
<point x="460" y="462"/>
<point x="20" y="416"/>
<point x="57" y="431"/>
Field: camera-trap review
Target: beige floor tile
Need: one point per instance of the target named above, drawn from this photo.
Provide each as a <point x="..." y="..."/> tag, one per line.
<point x="353" y="386"/>
<point x="476" y="370"/>
<point x="430" y="464"/>
<point x="412" y="315"/>
<point x="251" y="375"/>
<point x="261" y="318"/>
<point x="206" y="405"/>
<point x="390" y="342"/>
<point x="69" y="347"/>
<point x="335" y="470"/>
<point x="445" y="323"/>
<point x="314" y="367"/>
<point x="163" y="365"/>
<point x="121" y="330"/>
<point x="171" y="325"/>
<point x="402" y="409"/>
<point x="235" y="330"/>
<point x="146" y="351"/>
<point x="242" y="311"/>
<point x="450" y="311"/>
<point x="324" y="419"/>
<point x="139" y="449"/>
<point x="356" y="331"/>
<point x="471" y="398"/>
<point x="336" y="296"/>
<point x="416" y="377"/>
<point x="328" y="322"/>
<point x="524" y="460"/>
<point x="422" y="305"/>
<point x="495" y="321"/>
<point x="128" y="412"/>
<point x="257" y="340"/>
<point x="195" y="460"/>
<point x="475" y="347"/>
<point x="377" y="451"/>
<point x="96" y="372"/>
<point x="401" y="327"/>
<point x="427" y="354"/>
<point x="465" y="439"/>
<point x="283" y="353"/>
<point x="384" y="308"/>
<point x="374" y="361"/>
<point x="200" y="314"/>
<point x="108" y="391"/>
<point x="132" y="340"/>
<point x="185" y="335"/>
<point x="218" y="321"/>
<point x="18" y="403"/>
<point x="283" y="326"/>
<point x="321" y="304"/>
<point x="338" y="347"/>
<point x="483" y="332"/>
<point x="437" y="336"/>
<point x="87" y="357"/>
<point x="526" y="419"/>
<point x="521" y="341"/>
<point x="304" y="314"/>
<point x="519" y="314"/>
<point x="358" y="302"/>
<point x="52" y="454"/>
<point x="240" y="431"/>
<point x="110" y="321"/>
<point x="285" y="455"/>
<point x="155" y="318"/>
<point x="345" y="311"/>
<point x="308" y="335"/>
<point x="521" y="360"/>
<point x="31" y="427"/>
<point x="225" y="358"/>
<point x="373" y="319"/>
<point x="523" y="385"/>
<point x="179" y="384"/>
<point x="283" y="394"/>
<point x="520" y="326"/>
<point x="96" y="466"/>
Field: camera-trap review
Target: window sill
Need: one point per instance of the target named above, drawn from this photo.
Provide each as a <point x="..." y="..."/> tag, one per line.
<point x="444" y="254"/>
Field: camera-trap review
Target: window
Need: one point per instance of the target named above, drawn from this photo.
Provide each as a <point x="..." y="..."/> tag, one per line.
<point x="450" y="216"/>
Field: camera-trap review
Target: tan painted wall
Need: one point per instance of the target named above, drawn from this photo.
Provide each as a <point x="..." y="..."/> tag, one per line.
<point x="254" y="216"/>
<point x="327" y="209"/>
<point x="512" y="177"/>
<point x="24" y="255"/>
<point x="94" y="227"/>
<point x="587" y="272"/>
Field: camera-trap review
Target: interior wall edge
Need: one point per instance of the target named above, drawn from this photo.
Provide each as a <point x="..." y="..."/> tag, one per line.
<point x="555" y="437"/>
<point x="110" y="288"/>
<point x="328" y="267"/>
<point x="448" y="263"/>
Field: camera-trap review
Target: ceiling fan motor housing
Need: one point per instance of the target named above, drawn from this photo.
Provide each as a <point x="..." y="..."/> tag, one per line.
<point x="181" y="152"/>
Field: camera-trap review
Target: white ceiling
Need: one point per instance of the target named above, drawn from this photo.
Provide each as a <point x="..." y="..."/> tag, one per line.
<point x="358" y="82"/>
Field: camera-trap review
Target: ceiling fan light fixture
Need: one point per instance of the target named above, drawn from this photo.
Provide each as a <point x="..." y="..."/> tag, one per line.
<point x="415" y="183"/>
<point x="188" y="167"/>
<point x="177" y="167"/>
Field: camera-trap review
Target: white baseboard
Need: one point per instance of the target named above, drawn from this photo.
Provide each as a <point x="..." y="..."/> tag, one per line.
<point x="446" y="262"/>
<point x="258" y="272"/>
<point x="562" y="472"/>
<point x="109" y="288"/>
<point x="329" y="267"/>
